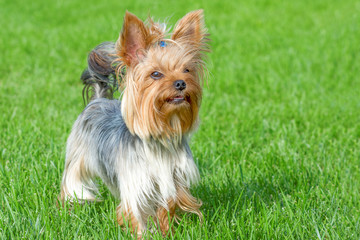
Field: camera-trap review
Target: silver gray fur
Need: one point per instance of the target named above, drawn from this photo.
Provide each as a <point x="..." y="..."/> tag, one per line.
<point x="143" y="174"/>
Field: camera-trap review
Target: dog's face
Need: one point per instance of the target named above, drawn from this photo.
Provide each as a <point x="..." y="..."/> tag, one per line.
<point x="163" y="77"/>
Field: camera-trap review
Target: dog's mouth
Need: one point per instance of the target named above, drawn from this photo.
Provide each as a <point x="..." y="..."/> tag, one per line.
<point x="178" y="99"/>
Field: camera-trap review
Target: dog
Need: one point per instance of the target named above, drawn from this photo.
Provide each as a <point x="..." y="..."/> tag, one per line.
<point x="138" y="145"/>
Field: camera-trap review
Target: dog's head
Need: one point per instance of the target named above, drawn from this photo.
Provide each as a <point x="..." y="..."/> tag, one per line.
<point x="163" y="77"/>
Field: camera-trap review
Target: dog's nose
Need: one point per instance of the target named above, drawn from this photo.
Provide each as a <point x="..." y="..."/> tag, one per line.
<point x="180" y="85"/>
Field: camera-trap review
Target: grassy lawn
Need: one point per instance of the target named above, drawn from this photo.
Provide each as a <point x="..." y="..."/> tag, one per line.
<point x="279" y="143"/>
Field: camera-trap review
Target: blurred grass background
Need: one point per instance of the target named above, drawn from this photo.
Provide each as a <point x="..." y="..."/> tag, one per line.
<point x="279" y="143"/>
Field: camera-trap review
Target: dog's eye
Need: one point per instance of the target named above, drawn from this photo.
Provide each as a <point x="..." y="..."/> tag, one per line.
<point x="156" y="75"/>
<point x="186" y="70"/>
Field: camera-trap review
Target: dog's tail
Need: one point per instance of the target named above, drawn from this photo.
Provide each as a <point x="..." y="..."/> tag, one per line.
<point x="99" y="77"/>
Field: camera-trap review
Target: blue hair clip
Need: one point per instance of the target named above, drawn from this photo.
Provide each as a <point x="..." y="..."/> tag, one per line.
<point x="162" y="44"/>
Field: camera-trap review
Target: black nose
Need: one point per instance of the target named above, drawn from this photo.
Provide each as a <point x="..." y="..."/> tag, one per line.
<point x="179" y="85"/>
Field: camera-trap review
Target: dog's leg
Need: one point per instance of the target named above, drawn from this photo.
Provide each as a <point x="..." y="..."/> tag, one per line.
<point x="166" y="216"/>
<point x="77" y="181"/>
<point x="126" y="217"/>
<point x="76" y="185"/>
<point x="185" y="201"/>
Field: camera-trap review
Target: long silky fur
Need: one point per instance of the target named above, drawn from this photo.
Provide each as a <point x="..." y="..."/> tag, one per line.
<point x="99" y="77"/>
<point x="146" y="173"/>
<point x="150" y="170"/>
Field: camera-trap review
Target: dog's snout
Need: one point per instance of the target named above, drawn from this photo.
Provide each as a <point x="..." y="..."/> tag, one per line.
<point x="180" y="85"/>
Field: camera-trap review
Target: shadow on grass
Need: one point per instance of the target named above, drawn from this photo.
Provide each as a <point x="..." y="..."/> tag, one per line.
<point x="231" y="195"/>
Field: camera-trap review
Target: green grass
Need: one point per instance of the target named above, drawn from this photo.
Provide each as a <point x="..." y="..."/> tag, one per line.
<point x="279" y="143"/>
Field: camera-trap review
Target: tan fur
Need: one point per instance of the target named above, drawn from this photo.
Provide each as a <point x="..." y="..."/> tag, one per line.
<point x="191" y="30"/>
<point x="78" y="172"/>
<point x="155" y="111"/>
<point x="135" y="36"/>
<point x="165" y="217"/>
<point x="186" y="202"/>
<point x="127" y="217"/>
<point x="148" y="112"/>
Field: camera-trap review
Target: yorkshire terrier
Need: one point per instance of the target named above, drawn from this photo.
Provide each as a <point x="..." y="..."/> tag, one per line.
<point x="139" y="146"/>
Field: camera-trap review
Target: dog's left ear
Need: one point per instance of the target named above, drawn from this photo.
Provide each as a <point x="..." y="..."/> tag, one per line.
<point x="191" y="28"/>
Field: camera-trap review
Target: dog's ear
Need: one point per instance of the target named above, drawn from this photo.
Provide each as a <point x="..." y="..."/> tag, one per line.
<point x="133" y="39"/>
<point x="190" y="28"/>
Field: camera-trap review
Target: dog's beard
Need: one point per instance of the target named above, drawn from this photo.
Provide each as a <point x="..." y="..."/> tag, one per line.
<point x="163" y="117"/>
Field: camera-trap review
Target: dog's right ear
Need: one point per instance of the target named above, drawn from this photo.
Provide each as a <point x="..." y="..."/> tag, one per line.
<point x="132" y="40"/>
